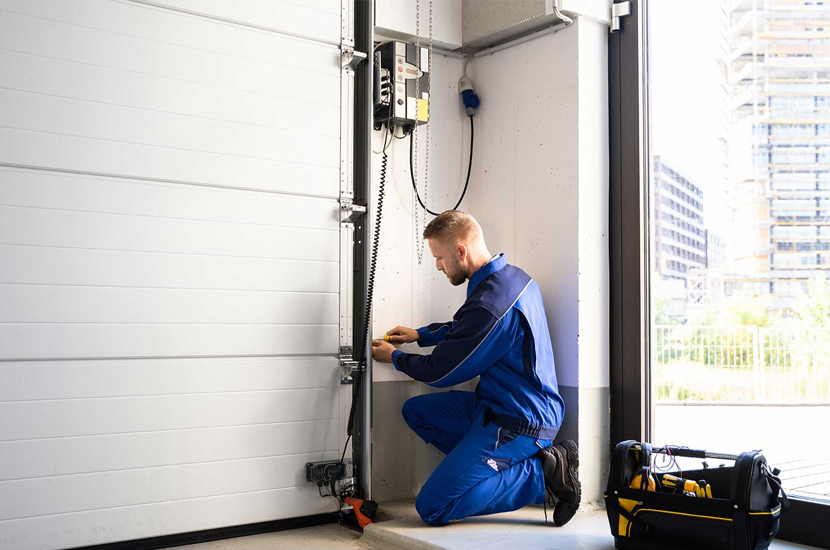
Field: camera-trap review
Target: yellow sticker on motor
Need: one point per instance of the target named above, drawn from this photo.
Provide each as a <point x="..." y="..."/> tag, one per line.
<point x="423" y="110"/>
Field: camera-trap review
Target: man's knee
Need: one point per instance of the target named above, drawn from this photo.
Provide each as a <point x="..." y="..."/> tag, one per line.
<point x="413" y="410"/>
<point x="429" y="509"/>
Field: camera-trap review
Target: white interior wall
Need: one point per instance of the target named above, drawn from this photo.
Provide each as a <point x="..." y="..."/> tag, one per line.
<point x="594" y="267"/>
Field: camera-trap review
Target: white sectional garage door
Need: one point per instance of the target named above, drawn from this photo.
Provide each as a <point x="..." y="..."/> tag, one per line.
<point x="169" y="265"/>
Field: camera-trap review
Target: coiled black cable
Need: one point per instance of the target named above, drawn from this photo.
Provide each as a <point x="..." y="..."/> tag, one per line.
<point x="370" y="287"/>
<point x="469" y="170"/>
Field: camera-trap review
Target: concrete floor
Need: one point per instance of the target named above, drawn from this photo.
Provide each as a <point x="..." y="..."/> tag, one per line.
<point x="403" y="530"/>
<point x="323" y="537"/>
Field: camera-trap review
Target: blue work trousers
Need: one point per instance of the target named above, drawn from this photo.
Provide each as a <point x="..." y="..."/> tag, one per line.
<point x="487" y="470"/>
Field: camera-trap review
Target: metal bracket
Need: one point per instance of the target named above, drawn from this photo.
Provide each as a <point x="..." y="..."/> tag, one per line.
<point x="349" y="464"/>
<point x="618" y="11"/>
<point x="350" y="58"/>
<point x="349" y="365"/>
<point x="350" y="211"/>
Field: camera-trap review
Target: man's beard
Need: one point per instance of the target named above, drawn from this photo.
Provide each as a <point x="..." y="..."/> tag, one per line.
<point x="457" y="276"/>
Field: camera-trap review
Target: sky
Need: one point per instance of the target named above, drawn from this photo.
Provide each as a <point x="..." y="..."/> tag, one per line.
<point x="686" y="109"/>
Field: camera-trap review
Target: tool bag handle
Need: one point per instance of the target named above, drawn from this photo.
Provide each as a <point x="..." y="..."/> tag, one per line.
<point x="692" y="453"/>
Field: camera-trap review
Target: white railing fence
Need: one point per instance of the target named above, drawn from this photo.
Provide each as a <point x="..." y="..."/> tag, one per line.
<point x="740" y="364"/>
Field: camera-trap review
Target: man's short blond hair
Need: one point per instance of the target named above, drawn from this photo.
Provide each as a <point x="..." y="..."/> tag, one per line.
<point x="453" y="226"/>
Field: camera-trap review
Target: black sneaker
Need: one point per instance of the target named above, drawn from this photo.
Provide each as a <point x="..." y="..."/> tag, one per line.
<point x="560" y="464"/>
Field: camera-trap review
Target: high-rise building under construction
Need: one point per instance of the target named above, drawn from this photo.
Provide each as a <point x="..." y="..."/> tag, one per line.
<point x="778" y="71"/>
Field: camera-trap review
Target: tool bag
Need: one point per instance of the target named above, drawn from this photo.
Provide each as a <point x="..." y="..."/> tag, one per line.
<point x="735" y="507"/>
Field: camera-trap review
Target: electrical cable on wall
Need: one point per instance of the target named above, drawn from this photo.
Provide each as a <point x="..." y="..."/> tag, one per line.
<point x="466" y="183"/>
<point x="471" y="103"/>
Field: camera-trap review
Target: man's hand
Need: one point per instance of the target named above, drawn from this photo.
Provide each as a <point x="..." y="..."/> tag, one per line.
<point x="402" y="335"/>
<point x="382" y="351"/>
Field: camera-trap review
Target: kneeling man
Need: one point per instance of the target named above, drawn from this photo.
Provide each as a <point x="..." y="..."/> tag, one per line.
<point x="499" y="439"/>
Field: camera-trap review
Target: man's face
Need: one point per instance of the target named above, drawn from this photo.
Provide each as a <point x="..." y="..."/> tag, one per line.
<point x="447" y="260"/>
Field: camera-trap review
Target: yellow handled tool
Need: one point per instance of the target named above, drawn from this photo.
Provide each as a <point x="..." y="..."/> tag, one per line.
<point x="678" y="482"/>
<point x="699" y="489"/>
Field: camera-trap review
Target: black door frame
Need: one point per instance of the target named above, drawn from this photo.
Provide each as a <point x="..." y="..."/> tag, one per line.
<point x="808" y="521"/>
<point x="628" y="172"/>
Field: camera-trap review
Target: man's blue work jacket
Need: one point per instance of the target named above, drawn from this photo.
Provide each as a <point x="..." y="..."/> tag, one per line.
<point x="501" y="334"/>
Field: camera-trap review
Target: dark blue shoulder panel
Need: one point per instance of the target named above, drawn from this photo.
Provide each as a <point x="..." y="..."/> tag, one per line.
<point x="500" y="290"/>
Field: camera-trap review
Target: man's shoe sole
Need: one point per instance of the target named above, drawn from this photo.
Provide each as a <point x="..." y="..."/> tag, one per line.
<point x="573" y="466"/>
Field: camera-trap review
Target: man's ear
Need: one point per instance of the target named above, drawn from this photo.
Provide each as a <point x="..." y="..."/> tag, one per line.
<point x="462" y="252"/>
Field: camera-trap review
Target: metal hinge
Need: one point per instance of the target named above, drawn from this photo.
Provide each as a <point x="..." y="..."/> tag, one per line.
<point x="349" y="211"/>
<point x="618" y="11"/>
<point x="348" y="364"/>
<point x="350" y="58"/>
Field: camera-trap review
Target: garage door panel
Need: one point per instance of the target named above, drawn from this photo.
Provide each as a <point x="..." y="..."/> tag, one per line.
<point x="62" y="266"/>
<point x="44" y="341"/>
<point x="81" y="81"/>
<point x="83" y="193"/>
<point x="76" y="304"/>
<point x="42" y="227"/>
<point x="94" y="156"/>
<point x="170" y="272"/>
<point x="53" y="115"/>
<point x="308" y="19"/>
<point x="89" y="454"/>
<point x="76" y="493"/>
<point x="117" y="524"/>
<point x="75" y="417"/>
<point x="71" y="43"/>
<point x="165" y="30"/>
<point x="37" y="380"/>
<point x="142" y="56"/>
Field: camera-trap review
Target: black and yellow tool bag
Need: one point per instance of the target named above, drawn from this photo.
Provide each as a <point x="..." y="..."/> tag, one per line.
<point x="652" y="503"/>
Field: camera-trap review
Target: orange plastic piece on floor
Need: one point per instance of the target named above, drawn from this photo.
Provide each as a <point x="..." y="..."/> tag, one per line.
<point x="362" y="510"/>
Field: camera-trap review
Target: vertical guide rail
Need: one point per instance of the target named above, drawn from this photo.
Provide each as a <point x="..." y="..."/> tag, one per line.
<point x="364" y="20"/>
<point x="347" y="226"/>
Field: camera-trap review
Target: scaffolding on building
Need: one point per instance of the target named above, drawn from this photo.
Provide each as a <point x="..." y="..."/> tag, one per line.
<point x="778" y="71"/>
